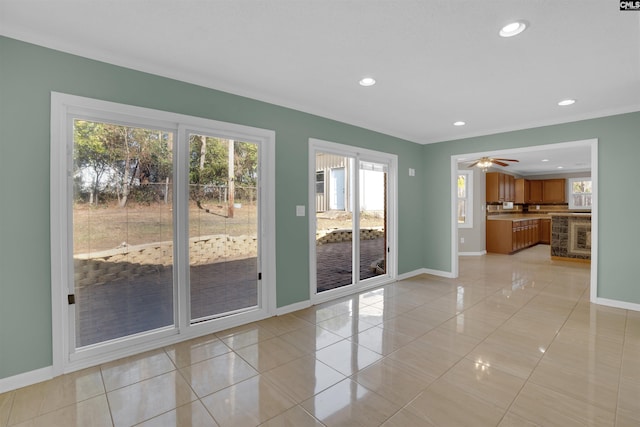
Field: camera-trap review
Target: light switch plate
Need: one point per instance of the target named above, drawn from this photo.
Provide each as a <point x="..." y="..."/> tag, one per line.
<point x="300" y="211"/>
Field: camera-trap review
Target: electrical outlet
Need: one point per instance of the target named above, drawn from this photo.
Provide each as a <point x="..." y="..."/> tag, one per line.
<point x="462" y="240"/>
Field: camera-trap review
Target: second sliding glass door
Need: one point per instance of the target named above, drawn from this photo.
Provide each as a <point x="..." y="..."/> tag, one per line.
<point x="351" y="217"/>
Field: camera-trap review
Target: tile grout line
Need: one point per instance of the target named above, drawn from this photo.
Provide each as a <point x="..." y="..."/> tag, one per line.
<point x="624" y="342"/>
<point x="539" y="361"/>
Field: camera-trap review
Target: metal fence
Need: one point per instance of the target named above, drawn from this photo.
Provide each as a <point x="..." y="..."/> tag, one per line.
<point x="163" y="193"/>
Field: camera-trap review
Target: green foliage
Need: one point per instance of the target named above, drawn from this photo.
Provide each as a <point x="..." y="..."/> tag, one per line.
<point x="121" y="161"/>
<point x="110" y="158"/>
<point x="214" y="170"/>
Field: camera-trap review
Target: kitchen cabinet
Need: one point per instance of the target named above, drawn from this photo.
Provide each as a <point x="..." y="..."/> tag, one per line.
<point x="509" y="236"/>
<point x="522" y="189"/>
<point x="545" y="231"/>
<point x="500" y="187"/>
<point x="535" y="192"/>
<point x="553" y="191"/>
<point x="539" y="192"/>
<point x="509" y="188"/>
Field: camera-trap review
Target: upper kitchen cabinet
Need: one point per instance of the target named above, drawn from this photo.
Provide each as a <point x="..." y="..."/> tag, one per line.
<point x="522" y="189"/>
<point x="509" y="188"/>
<point x="500" y="187"/>
<point x="553" y="191"/>
<point x="538" y="192"/>
<point x="535" y="192"/>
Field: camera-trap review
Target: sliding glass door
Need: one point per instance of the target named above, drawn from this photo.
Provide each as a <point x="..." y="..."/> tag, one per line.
<point x="351" y="239"/>
<point x="157" y="228"/>
<point x="123" y="235"/>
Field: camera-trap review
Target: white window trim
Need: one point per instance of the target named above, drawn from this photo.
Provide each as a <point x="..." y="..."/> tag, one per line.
<point x="62" y="107"/>
<point x="469" y="219"/>
<point x="571" y="193"/>
<point x="317" y="145"/>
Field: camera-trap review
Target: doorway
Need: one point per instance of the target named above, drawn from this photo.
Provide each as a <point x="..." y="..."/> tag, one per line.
<point x="591" y="145"/>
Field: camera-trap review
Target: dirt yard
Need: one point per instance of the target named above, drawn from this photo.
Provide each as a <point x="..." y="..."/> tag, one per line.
<point x="98" y="228"/>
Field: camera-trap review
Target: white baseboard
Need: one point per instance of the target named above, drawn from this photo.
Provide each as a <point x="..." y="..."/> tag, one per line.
<point x="293" y="307"/>
<point x="420" y="271"/>
<point x="618" y="304"/>
<point x="447" y="274"/>
<point x="25" y="379"/>
<point x="411" y="274"/>
<point x="472" y="253"/>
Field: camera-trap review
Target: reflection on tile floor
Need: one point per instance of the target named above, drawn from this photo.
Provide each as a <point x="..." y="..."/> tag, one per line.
<point x="513" y="341"/>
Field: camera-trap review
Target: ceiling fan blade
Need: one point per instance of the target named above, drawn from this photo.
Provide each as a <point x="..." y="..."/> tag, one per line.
<point x="508" y="160"/>
<point x="497" y="162"/>
<point x="473" y="164"/>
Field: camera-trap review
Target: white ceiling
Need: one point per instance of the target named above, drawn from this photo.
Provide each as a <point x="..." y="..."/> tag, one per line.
<point x="560" y="159"/>
<point x="436" y="61"/>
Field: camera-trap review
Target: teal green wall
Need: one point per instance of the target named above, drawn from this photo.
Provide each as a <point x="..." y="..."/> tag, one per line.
<point x="618" y="156"/>
<point x="28" y="74"/>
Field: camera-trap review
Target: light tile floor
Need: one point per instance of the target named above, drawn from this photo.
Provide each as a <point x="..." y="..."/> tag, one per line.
<point x="513" y="341"/>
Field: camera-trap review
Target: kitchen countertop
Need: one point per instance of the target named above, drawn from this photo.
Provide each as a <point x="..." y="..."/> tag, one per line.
<point x="517" y="217"/>
<point x="578" y="214"/>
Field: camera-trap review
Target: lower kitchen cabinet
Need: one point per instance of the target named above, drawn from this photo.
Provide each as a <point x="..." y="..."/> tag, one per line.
<point x="545" y="231"/>
<point x="508" y="236"/>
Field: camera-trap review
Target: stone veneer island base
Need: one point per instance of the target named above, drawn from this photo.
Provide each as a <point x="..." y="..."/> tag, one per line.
<point x="571" y="236"/>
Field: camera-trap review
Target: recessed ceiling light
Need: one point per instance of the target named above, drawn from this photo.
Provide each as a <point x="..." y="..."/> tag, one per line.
<point x="544" y="160"/>
<point x="566" y="102"/>
<point x="560" y="167"/>
<point x="513" y="29"/>
<point x="367" y="81"/>
<point x="459" y="123"/>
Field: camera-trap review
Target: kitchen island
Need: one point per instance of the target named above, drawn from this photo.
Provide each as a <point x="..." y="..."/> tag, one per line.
<point x="507" y="234"/>
<point x="571" y="236"/>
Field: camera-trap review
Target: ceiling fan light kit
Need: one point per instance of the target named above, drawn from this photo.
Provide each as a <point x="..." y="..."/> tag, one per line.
<point x="485" y="163"/>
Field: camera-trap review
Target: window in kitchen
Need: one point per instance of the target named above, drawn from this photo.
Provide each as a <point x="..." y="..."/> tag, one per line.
<point x="580" y="193"/>
<point x="465" y="199"/>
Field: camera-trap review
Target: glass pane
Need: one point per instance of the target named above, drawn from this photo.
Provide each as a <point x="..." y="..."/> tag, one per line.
<point x="122" y="230"/>
<point x="582" y="200"/>
<point x="462" y="211"/>
<point x="334" y="223"/>
<point x="320" y="182"/>
<point x="223" y="226"/>
<point x="581" y="187"/>
<point x="373" y="213"/>
<point x="462" y="186"/>
<point x="587" y="200"/>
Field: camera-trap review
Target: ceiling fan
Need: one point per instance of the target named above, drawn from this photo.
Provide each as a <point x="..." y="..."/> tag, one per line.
<point x="486" y="162"/>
